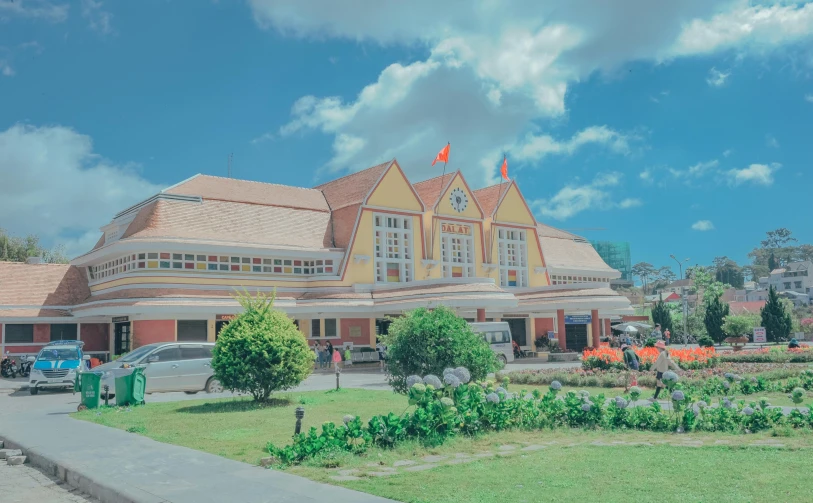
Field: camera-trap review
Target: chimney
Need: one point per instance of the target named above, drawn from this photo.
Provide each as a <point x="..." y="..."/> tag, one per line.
<point x="34" y="260"/>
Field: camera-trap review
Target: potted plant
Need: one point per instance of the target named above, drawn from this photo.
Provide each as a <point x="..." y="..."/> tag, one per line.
<point x="543" y="347"/>
<point x="737" y="327"/>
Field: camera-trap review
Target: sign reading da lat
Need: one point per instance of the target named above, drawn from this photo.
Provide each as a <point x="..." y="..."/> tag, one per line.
<point x="456" y="229"/>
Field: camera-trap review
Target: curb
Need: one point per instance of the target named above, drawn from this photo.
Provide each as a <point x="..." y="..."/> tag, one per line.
<point x="77" y="478"/>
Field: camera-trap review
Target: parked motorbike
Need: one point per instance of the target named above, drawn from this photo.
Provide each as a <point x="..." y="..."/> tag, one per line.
<point x="7" y="367"/>
<point x="25" y="365"/>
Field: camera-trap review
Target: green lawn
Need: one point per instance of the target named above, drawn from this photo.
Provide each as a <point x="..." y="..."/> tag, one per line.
<point x="569" y="467"/>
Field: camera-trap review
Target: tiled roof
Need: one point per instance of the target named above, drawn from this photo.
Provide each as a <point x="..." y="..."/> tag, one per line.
<point x="33" y="313"/>
<point x="245" y="191"/>
<point x="41" y="284"/>
<point x="231" y="222"/>
<point x="438" y="289"/>
<point x="488" y="197"/>
<point x="570" y="293"/>
<point x="429" y="190"/>
<point x="567" y="252"/>
<point x="746" y="307"/>
<point x="161" y="293"/>
<point x="353" y="188"/>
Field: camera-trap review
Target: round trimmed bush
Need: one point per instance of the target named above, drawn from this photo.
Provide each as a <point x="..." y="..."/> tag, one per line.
<point x="261" y="350"/>
<point x="425" y="342"/>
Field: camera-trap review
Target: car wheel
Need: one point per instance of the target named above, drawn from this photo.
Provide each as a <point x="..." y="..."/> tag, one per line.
<point x="191" y="392"/>
<point x="504" y="360"/>
<point x="33" y="390"/>
<point x="214" y="386"/>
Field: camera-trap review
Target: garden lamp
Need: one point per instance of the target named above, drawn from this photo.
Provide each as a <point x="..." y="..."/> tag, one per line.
<point x="299" y="413"/>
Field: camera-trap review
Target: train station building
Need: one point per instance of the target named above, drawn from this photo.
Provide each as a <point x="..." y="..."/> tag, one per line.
<point x="342" y="257"/>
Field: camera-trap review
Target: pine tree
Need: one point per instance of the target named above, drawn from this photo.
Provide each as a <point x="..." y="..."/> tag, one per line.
<point x="661" y="316"/>
<point x="777" y="322"/>
<point x="772" y="262"/>
<point x="716" y="312"/>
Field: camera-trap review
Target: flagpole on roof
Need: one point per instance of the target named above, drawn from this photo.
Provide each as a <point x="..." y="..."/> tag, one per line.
<point x="445" y="161"/>
<point x="497" y="209"/>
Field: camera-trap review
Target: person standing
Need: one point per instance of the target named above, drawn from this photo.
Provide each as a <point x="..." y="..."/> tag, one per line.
<point x="667" y="336"/>
<point x="321" y="351"/>
<point x="662" y="364"/>
<point x="337" y="358"/>
<point x="631" y="362"/>
<point x="656" y="333"/>
<point x="348" y="357"/>
<point x="316" y="359"/>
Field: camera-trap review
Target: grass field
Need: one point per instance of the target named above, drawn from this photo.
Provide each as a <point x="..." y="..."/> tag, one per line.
<point x="568" y="465"/>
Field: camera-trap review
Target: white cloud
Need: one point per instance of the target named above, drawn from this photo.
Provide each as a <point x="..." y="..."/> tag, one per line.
<point x="499" y="66"/>
<point x="757" y="174"/>
<point x="699" y="170"/>
<point x="98" y="19"/>
<point x="646" y="175"/>
<point x="54" y="185"/>
<point x="8" y="71"/>
<point x="703" y="225"/>
<point x="717" y="78"/>
<point x="771" y="141"/>
<point x="574" y="199"/>
<point x="758" y="27"/>
<point x="809" y="98"/>
<point x="534" y="147"/>
<point x="727" y="153"/>
<point x="54" y="12"/>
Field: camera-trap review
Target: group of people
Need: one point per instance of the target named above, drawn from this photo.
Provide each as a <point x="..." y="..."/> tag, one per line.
<point x="665" y="336"/>
<point x="662" y="364"/>
<point x="326" y="353"/>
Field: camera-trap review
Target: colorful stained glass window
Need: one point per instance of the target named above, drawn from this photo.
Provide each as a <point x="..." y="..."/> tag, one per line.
<point x="141" y="265"/>
<point x="246" y="268"/>
<point x="164" y="256"/>
<point x="256" y="261"/>
<point x="257" y="268"/>
<point x="177" y="256"/>
<point x="177" y="265"/>
<point x="393" y="272"/>
<point x="512" y="277"/>
<point x="189" y="265"/>
<point x="457" y="272"/>
<point x="164" y="264"/>
<point x="224" y="267"/>
<point x="201" y="258"/>
<point x="212" y="258"/>
<point x="235" y="268"/>
<point x="213" y="267"/>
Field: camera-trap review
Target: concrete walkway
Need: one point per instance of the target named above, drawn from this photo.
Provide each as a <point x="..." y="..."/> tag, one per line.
<point x="116" y="466"/>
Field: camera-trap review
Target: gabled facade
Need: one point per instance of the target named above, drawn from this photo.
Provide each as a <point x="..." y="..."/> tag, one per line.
<point x="341" y="256"/>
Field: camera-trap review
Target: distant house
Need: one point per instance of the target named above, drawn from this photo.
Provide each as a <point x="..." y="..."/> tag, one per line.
<point x="676" y="286"/>
<point x="733" y="295"/>
<point x="793" y="277"/>
<point x="746" y="307"/>
<point x="756" y="295"/>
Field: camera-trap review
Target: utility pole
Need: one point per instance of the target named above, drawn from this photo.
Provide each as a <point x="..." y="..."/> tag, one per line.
<point x="683" y="299"/>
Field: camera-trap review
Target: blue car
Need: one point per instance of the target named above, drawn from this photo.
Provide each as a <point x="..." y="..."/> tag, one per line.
<point x="56" y="365"/>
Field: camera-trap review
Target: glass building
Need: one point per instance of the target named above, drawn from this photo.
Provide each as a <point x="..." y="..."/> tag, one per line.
<point x="617" y="255"/>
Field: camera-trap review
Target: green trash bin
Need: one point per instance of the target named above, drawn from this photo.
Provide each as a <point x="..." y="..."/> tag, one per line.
<point x="130" y="387"/>
<point x="90" y="384"/>
<point x="139" y="385"/>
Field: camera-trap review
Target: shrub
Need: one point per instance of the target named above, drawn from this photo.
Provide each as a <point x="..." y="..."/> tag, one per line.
<point x="705" y="341"/>
<point x="261" y="351"/>
<point x="650" y="342"/>
<point x="427" y="342"/>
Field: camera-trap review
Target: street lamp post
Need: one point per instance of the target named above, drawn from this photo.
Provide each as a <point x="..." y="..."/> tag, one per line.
<point x="683" y="299"/>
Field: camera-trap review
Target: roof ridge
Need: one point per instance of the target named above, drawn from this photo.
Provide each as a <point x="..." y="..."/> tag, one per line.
<point x="435" y="178"/>
<point x="353" y="174"/>
<point x="254" y="181"/>
<point x="7" y="262"/>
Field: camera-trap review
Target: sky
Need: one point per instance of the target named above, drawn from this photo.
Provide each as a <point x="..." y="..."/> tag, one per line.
<point x="681" y="127"/>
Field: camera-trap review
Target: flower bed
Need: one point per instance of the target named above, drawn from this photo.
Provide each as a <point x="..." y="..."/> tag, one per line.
<point x="614" y="378"/>
<point x="776" y="354"/>
<point x="454" y="406"/>
<point x="610" y="358"/>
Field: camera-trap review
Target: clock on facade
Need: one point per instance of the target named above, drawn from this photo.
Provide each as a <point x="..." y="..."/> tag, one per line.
<point x="459" y="200"/>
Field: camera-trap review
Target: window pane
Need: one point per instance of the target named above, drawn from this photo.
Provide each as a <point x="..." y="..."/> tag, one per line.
<point x="172" y="354"/>
<point x="316" y="329"/>
<point x="63" y="331"/>
<point x="192" y="330"/>
<point x="19" y="333"/>
<point x="330" y="327"/>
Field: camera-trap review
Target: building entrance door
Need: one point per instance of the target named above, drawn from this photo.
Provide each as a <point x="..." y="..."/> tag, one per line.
<point x="517" y="330"/>
<point x="576" y="337"/>
<point x="121" y="338"/>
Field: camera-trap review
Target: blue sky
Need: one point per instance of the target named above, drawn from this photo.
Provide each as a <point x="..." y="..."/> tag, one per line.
<point x="679" y="129"/>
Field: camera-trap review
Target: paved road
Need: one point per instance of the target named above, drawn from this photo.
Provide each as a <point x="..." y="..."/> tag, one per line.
<point x="149" y="471"/>
<point x="24" y="484"/>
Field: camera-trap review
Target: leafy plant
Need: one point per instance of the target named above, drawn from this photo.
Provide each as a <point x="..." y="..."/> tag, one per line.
<point x="427" y="341"/>
<point x="776" y="320"/>
<point x="716" y="311"/>
<point x="261" y="351"/>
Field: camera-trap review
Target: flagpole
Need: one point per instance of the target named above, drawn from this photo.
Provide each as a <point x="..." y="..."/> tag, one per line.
<point x="496" y="212"/>
<point x="449" y="144"/>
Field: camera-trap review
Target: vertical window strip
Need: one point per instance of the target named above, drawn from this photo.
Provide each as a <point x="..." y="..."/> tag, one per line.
<point x="392" y="236"/>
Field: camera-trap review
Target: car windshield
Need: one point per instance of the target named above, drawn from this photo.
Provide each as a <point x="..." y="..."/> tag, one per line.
<point x="65" y="353"/>
<point x="136" y="354"/>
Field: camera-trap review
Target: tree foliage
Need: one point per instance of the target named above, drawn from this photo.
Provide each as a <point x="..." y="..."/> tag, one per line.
<point x="716" y="311"/>
<point x="740" y="325"/>
<point x="661" y="315"/>
<point x="427" y="341"/>
<point x="261" y="350"/>
<point x="776" y="318"/>
<point x="17" y="249"/>
<point x="645" y="272"/>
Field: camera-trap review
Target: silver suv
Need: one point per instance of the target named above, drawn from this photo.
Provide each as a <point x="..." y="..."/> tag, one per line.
<point x="168" y="366"/>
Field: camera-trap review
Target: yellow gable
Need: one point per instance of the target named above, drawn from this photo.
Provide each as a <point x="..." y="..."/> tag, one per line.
<point x="394" y="191"/>
<point x="463" y="200"/>
<point x="513" y="209"/>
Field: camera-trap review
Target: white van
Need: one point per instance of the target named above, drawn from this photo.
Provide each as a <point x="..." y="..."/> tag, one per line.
<point x="498" y="335"/>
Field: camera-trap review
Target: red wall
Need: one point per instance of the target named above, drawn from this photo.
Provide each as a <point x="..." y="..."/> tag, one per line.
<point x="542" y="326"/>
<point x="22" y="350"/>
<point x="364" y="323"/>
<point x="149" y="331"/>
<point x="42" y="332"/>
<point x="625" y="318"/>
<point x="96" y="336"/>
